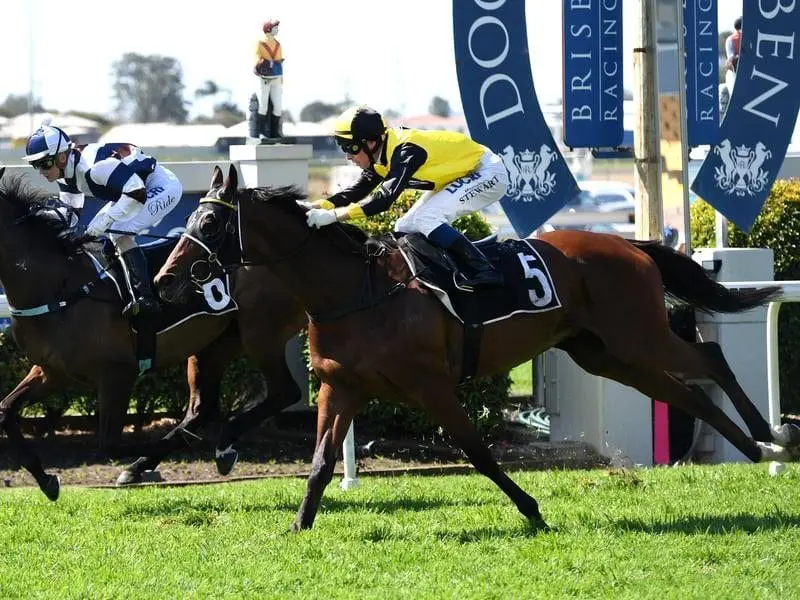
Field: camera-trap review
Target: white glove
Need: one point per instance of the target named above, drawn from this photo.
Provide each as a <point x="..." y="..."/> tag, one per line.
<point x="316" y="204"/>
<point x="99" y="224"/>
<point x="320" y="217"/>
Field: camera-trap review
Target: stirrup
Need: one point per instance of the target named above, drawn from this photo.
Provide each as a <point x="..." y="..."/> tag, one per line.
<point x="141" y="306"/>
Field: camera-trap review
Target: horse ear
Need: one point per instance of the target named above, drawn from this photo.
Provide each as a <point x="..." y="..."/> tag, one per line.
<point x="233" y="178"/>
<point x="216" y="178"/>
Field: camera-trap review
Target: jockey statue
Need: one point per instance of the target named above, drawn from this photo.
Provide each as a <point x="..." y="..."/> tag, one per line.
<point x="269" y="70"/>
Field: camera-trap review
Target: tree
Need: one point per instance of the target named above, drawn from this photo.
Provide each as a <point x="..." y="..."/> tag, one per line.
<point x="149" y="89"/>
<point x="101" y="120"/>
<point x="209" y="88"/>
<point x="319" y="111"/>
<point x="224" y="113"/>
<point x="15" y="105"/>
<point x="439" y="107"/>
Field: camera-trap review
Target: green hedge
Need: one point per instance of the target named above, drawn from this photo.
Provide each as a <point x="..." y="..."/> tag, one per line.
<point x="778" y="228"/>
<point x="165" y="391"/>
<point x="483" y="399"/>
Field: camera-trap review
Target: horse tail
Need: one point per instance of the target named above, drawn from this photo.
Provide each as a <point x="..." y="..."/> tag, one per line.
<point x="687" y="281"/>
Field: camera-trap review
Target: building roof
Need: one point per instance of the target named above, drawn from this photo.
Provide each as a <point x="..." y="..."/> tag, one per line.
<point x="21" y="126"/>
<point x="149" y="135"/>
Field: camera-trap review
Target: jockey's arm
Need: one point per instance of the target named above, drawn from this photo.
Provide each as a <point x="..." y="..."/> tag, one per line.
<point x="406" y="160"/>
<point x="365" y="183"/>
<point x="131" y="199"/>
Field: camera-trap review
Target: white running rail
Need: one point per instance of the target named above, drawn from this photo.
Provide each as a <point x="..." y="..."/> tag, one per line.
<point x="791" y="293"/>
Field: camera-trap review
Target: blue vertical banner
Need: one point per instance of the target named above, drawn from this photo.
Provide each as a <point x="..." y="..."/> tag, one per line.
<point x="593" y="90"/>
<point x="739" y="170"/>
<point x="502" y="111"/>
<point x="700" y="40"/>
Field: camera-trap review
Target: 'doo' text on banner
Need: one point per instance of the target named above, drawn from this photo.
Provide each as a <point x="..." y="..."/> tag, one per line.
<point x="738" y="173"/>
<point x="502" y="111"/>
<point x="592" y="86"/>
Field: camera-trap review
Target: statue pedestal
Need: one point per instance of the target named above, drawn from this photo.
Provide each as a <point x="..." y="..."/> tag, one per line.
<point x="272" y="164"/>
<point x="289" y="140"/>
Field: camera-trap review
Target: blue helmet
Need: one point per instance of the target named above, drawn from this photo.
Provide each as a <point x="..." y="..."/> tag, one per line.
<point x="46" y="141"/>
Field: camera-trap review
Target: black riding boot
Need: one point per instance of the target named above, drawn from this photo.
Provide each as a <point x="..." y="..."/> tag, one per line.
<point x="275" y="127"/>
<point x="476" y="270"/>
<point x="264" y="126"/>
<point x="142" y="301"/>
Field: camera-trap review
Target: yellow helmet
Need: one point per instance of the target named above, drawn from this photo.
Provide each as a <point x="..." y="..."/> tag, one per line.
<point x="357" y="125"/>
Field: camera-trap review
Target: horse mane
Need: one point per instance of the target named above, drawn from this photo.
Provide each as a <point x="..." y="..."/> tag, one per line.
<point x="20" y="193"/>
<point x="286" y="197"/>
<point x="26" y="198"/>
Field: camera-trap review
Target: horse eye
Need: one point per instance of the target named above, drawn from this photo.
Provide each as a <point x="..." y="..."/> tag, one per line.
<point x="209" y="226"/>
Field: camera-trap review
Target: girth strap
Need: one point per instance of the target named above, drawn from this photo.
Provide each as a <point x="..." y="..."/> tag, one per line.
<point x="57" y="305"/>
<point x="473" y="333"/>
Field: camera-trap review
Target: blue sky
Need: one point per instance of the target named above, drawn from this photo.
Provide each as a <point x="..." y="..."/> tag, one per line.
<point x="387" y="53"/>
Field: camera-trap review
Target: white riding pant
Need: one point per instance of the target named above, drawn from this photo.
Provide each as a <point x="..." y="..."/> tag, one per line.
<point x="271" y="89"/>
<point x="484" y="186"/>
<point x="163" y="192"/>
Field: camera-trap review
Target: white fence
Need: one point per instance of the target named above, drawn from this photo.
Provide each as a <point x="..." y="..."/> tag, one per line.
<point x="791" y="293"/>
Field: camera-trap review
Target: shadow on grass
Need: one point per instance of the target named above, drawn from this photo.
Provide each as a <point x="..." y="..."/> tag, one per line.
<point x="725" y="524"/>
<point x="174" y="506"/>
<point x="387" y="533"/>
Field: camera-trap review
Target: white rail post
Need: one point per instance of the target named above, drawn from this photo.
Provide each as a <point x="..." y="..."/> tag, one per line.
<point x="773" y="372"/>
<point x="350" y="479"/>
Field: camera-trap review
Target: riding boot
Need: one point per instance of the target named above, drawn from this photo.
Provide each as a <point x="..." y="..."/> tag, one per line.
<point x="275" y="126"/>
<point x="476" y="271"/>
<point x="134" y="263"/>
<point x="264" y="126"/>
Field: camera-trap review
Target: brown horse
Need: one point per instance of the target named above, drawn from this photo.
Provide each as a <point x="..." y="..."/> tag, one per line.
<point x="85" y="340"/>
<point x="374" y="331"/>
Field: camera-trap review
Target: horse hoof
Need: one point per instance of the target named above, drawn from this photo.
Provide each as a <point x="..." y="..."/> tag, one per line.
<point x="787" y="435"/>
<point x="226" y="459"/>
<point x="52" y="487"/>
<point x="538" y="524"/>
<point x="129" y="478"/>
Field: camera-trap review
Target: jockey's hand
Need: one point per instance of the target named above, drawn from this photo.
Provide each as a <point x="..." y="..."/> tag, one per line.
<point x="315" y="204"/>
<point x="75" y="237"/>
<point x="320" y="217"/>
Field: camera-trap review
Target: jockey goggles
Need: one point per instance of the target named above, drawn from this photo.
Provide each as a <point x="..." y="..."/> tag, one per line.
<point x="43" y="163"/>
<point x="349" y="146"/>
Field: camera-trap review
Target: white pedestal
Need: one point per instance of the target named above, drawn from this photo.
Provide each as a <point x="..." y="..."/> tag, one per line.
<point x="273" y="165"/>
<point x="615" y="420"/>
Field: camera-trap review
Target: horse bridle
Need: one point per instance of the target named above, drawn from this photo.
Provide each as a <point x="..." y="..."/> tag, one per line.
<point x="212" y="262"/>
